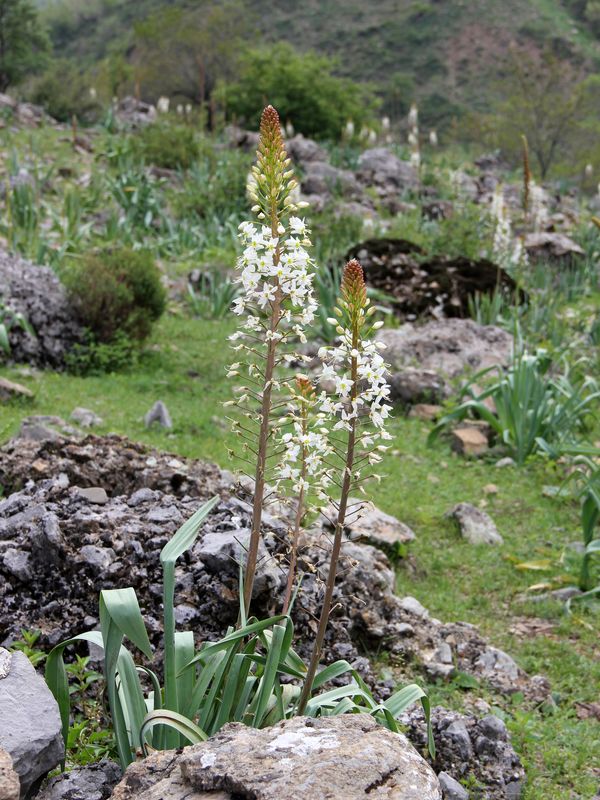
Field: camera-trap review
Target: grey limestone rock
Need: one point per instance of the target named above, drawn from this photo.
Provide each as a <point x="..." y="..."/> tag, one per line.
<point x="349" y="757"/>
<point x="30" y="726"/>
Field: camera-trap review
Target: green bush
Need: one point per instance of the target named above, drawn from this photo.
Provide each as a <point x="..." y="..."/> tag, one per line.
<point x="167" y="145"/>
<point x="303" y="89"/>
<point x="64" y="92"/>
<point x="117" y="292"/>
<point x="98" y="358"/>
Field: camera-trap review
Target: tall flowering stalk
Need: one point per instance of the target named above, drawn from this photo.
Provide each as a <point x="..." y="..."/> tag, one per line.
<point x="358" y="370"/>
<point x="276" y="276"/>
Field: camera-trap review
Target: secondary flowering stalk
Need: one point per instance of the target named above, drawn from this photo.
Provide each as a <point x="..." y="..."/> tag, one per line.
<point x="362" y="392"/>
<point x="276" y="275"/>
<point x="304" y="449"/>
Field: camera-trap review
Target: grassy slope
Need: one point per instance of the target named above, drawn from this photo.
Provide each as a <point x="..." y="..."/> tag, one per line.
<point x="455" y="580"/>
<point x="452" y="49"/>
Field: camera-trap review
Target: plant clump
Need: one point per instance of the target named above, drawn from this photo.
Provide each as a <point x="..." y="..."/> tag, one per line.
<point x="117" y="293"/>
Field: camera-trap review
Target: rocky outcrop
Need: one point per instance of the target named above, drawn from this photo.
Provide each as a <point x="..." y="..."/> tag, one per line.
<point x="133" y="113"/>
<point x="381" y="170"/>
<point x="421" y="286"/>
<point x="37" y="294"/>
<point x="349" y="757"/>
<point x="474" y="747"/>
<point x="30" y="726"/>
<point x="59" y="546"/>
<point x="451" y="348"/>
<point x="553" y="247"/>
<point x="103" y="518"/>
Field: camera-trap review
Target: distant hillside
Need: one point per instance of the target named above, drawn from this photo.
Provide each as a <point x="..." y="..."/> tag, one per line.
<point x="447" y="53"/>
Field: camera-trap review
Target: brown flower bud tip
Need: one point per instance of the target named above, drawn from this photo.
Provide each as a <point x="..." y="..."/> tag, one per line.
<point x="304" y="386"/>
<point x="270" y="128"/>
<point x="354" y="289"/>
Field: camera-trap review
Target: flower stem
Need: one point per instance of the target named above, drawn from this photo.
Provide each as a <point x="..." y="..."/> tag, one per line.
<point x="337" y="541"/>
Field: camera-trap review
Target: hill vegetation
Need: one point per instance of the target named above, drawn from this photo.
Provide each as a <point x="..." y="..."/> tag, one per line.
<point x="448" y="56"/>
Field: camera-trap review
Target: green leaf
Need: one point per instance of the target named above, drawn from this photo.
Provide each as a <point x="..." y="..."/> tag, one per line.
<point x="187" y="534"/>
<point x="177" y="722"/>
<point x="124" y="611"/>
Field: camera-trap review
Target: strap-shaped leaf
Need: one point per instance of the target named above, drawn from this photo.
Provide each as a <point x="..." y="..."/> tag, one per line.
<point x="187" y="534"/>
<point x="177" y="722"/>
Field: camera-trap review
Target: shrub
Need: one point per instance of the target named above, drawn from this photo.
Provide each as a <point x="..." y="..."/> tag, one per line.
<point x="167" y="145"/>
<point x="117" y="292"/>
<point x="304" y="89"/>
<point x="97" y="358"/>
<point x="64" y="92"/>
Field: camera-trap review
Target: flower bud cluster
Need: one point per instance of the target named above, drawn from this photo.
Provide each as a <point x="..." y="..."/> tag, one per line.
<point x="356" y="367"/>
<point x="305" y="447"/>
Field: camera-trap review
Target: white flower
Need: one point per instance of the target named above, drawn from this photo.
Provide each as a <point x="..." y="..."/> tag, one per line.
<point x="343" y="385"/>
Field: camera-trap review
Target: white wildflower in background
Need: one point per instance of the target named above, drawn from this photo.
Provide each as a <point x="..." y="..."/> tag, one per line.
<point x="537" y="205"/>
<point x="413" y="137"/>
<point x="433" y="138"/>
<point x="162" y="105"/>
<point x="502" y="241"/>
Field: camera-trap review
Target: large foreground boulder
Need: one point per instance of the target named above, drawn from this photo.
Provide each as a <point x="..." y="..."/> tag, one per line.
<point x="348" y="757"/>
<point x="30" y="726"/>
<point x="37" y="294"/>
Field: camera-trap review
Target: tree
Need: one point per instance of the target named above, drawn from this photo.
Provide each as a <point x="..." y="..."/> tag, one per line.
<point x="302" y="87"/>
<point x="185" y="52"/>
<point x="23" y="42"/>
<point x="544" y="98"/>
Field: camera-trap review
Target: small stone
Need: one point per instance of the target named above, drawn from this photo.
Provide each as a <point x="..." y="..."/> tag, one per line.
<point x="507" y="461"/>
<point x="18" y="563"/>
<point x="144" y="495"/>
<point x="9" y="780"/>
<point x="490" y="488"/>
<point x="475" y="525"/>
<point x="98" y="558"/>
<point x="159" y="414"/>
<point x="95" y="494"/>
<point x="451" y="789"/>
<point x="438" y="670"/>
<point x="92" y="782"/>
<point x="493" y="728"/>
<point x="85" y="418"/>
<point x="36" y="430"/>
<point x="412" y="605"/>
<point x="12" y="391"/>
<point x="493" y="661"/>
<point x="459" y="735"/>
<point x="372" y="526"/>
<point x="443" y="654"/>
<point x="469" y="442"/>
<point x="425" y="411"/>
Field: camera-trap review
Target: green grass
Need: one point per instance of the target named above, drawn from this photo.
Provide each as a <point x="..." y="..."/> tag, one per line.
<point x="184" y="366"/>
